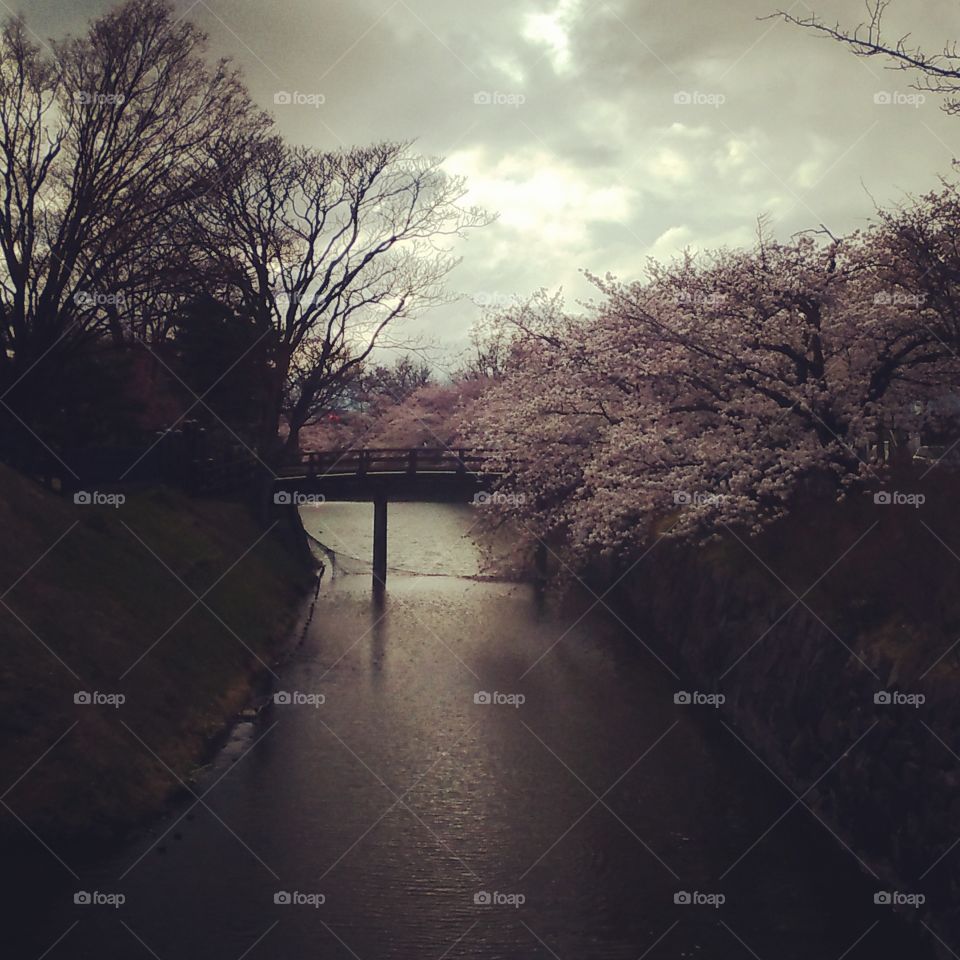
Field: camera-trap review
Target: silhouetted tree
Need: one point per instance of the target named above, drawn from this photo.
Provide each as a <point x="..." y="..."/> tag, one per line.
<point x="939" y="72"/>
<point x="104" y="138"/>
<point x="328" y="250"/>
<point x="221" y="357"/>
<point x="394" y="383"/>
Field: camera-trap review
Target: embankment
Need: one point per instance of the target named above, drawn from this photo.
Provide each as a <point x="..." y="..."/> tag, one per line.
<point x="834" y="639"/>
<point x="172" y="604"/>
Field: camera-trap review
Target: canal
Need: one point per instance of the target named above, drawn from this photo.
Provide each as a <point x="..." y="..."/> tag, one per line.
<point x="464" y="770"/>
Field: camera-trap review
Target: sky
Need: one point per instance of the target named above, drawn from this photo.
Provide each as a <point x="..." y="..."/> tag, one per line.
<point x="601" y="133"/>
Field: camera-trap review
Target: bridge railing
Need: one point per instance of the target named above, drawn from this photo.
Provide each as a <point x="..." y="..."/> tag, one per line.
<point x="391" y="460"/>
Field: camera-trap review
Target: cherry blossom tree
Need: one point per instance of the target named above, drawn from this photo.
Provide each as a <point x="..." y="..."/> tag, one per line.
<point x="718" y="388"/>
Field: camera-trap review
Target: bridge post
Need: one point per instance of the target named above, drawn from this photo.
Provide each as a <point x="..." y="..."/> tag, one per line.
<point x="379" y="544"/>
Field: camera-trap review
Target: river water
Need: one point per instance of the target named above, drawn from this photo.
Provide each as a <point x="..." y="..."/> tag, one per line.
<point x="402" y="818"/>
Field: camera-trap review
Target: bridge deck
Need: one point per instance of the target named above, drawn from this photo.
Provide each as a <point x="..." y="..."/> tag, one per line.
<point x="425" y="474"/>
<point x="417" y="474"/>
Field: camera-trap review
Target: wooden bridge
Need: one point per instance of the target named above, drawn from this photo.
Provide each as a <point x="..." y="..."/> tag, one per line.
<point x="184" y="458"/>
<point x="421" y="474"/>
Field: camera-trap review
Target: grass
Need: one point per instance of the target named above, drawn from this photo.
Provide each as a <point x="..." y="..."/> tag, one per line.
<point x="90" y="605"/>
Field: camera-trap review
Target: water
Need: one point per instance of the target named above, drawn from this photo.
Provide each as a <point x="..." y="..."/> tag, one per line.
<point x="403" y="804"/>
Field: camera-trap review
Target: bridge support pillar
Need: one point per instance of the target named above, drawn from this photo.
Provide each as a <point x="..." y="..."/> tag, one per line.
<point x="379" y="544"/>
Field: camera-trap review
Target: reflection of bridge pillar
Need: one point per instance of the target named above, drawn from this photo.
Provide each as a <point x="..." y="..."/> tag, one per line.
<point x="541" y="561"/>
<point x="380" y="543"/>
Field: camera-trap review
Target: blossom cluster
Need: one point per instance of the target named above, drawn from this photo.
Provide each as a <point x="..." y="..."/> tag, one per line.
<point x="716" y="389"/>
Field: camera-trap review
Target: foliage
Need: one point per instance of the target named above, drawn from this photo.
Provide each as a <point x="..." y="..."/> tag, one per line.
<point x="717" y="389"/>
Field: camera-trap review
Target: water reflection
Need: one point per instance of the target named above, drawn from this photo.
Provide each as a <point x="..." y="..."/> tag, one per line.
<point x="423" y="811"/>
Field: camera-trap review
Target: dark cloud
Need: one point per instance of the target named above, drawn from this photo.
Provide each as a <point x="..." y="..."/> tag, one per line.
<point x="603" y="162"/>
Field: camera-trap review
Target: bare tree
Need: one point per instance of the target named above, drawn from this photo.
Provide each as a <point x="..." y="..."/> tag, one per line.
<point x="490" y="339"/>
<point x="939" y="72"/>
<point x="326" y="251"/>
<point x="395" y="383"/>
<point x="103" y="138"/>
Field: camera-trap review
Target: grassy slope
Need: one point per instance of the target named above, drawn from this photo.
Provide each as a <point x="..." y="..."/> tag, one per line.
<point x="99" y="599"/>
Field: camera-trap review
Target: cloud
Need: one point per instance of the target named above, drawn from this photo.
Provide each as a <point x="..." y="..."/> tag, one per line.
<point x="553" y="31"/>
<point x="600" y="166"/>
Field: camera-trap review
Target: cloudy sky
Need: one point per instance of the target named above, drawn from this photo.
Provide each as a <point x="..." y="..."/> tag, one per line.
<point x="601" y="132"/>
